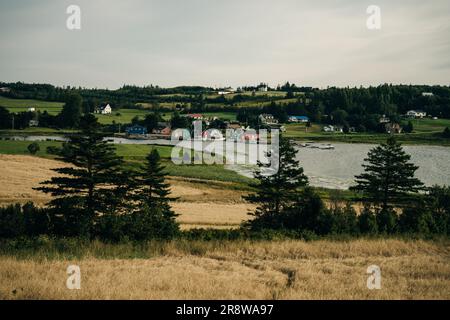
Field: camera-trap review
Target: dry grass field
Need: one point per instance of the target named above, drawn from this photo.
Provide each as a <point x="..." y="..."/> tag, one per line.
<point x="184" y="269"/>
<point x="199" y="204"/>
<point x="241" y="270"/>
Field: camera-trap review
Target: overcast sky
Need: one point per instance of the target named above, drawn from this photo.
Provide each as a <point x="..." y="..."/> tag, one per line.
<point x="225" y="42"/>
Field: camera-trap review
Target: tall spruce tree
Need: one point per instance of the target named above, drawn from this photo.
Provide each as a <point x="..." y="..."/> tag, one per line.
<point x="277" y="192"/>
<point x="91" y="186"/>
<point x="388" y="178"/>
<point x="154" y="217"/>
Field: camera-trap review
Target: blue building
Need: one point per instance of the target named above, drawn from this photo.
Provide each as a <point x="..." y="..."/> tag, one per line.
<point x="298" y="119"/>
<point x="136" y="130"/>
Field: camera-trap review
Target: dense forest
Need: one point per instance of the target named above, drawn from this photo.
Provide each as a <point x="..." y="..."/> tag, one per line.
<point x="360" y="108"/>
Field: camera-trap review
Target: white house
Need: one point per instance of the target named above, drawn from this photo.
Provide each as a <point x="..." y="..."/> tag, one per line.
<point x="31" y="109"/>
<point x="104" y="109"/>
<point x="225" y="91"/>
<point x="416" y="114"/>
<point x="427" y="94"/>
<point x="331" y="128"/>
<point x="267" y="118"/>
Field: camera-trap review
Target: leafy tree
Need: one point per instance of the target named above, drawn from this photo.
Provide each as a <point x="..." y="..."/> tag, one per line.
<point x="178" y="122"/>
<point x="5" y="118"/>
<point x="93" y="184"/>
<point x="71" y="113"/>
<point x="33" y="148"/>
<point x="278" y="191"/>
<point x="151" y="121"/>
<point x="388" y="177"/>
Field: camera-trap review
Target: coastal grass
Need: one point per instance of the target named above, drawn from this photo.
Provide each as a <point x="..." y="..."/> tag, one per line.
<point x="241" y="269"/>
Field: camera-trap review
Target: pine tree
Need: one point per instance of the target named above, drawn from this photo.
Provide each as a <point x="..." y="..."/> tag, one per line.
<point x="93" y="185"/>
<point x="388" y="177"/>
<point x="154" y="217"/>
<point x="277" y="192"/>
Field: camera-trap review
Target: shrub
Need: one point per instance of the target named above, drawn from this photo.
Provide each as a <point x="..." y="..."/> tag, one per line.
<point x="387" y="221"/>
<point x="33" y="148"/>
<point x="367" y="222"/>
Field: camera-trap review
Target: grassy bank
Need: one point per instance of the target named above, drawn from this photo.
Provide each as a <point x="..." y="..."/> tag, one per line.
<point x="324" y="269"/>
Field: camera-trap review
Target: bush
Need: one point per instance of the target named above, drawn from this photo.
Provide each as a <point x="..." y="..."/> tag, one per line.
<point x="417" y="219"/>
<point x="367" y="222"/>
<point x="387" y="221"/>
<point x="33" y="148"/>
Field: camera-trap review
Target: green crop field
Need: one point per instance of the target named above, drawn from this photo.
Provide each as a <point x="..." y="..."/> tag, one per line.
<point x="19" y="105"/>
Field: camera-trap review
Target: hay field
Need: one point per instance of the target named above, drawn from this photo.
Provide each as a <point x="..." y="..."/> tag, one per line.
<point x="240" y="270"/>
<point x="200" y="204"/>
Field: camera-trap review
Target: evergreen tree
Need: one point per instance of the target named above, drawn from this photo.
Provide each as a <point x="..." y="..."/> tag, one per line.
<point x="92" y="186"/>
<point x="388" y="177"/>
<point x="278" y="191"/>
<point x="154" y="218"/>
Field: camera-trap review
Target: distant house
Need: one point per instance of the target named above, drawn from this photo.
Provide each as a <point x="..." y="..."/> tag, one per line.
<point x="194" y="116"/>
<point x="262" y="87"/>
<point x="427" y="94"/>
<point x="31" y="109"/>
<point x="298" y="119"/>
<point x="136" y="130"/>
<point x="331" y="128"/>
<point x="393" y="128"/>
<point x="416" y="114"/>
<point x="384" y="119"/>
<point x="225" y="91"/>
<point x="33" y="123"/>
<point x="163" y="128"/>
<point x="267" y="118"/>
<point x="5" y="89"/>
<point x="104" y="109"/>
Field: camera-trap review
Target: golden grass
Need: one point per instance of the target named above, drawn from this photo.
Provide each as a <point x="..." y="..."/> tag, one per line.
<point x="243" y="270"/>
<point x="199" y="203"/>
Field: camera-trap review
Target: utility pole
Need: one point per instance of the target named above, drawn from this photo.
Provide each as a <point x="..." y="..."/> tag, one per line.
<point x="13" y="121"/>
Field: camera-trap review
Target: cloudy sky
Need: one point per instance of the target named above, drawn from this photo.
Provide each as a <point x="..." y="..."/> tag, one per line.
<point x="225" y="42"/>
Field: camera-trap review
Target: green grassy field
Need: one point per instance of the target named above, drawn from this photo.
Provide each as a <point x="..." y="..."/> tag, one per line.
<point x="134" y="155"/>
<point x="19" y="105"/>
<point x="426" y="131"/>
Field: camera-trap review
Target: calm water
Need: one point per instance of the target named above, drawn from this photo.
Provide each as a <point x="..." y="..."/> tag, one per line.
<point x="336" y="168"/>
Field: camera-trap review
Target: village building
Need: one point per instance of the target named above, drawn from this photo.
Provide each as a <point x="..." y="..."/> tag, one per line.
<point x="136" y="130"/>
<point x="393" y="128"/>
<point x="331" y="128"/>
<point x="416" y="114"/>
<point x="301" y="119"/>
<point x="266" y="118"/>
<point x="195" y="116"/>
<point x="31" y="109"/>
<point x="162" y="128"/>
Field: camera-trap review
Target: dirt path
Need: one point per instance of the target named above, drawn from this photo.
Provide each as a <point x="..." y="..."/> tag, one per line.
<point x="200" y="204"/>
